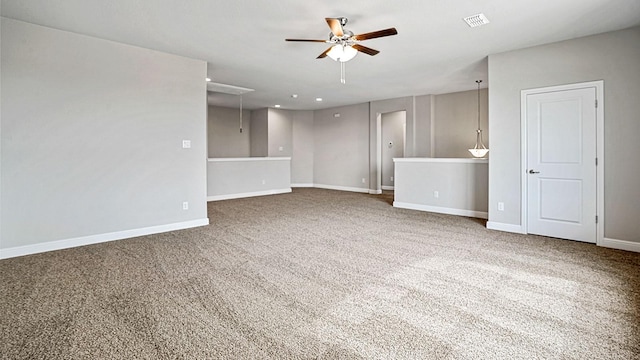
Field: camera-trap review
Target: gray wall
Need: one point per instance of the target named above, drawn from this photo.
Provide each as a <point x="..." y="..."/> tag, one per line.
<point x="613" y="57"/>
<point x="341" y="147"/>
<point x="267" y="131"/>
<point x="259" y="135"/>
<point x="224" y="136"/>
<point x="461" y="185"/>
<point x="455" y="120"/>
<point x="302" y="147"/>
<point x="280" y="132"/>
<point x="250" y="177"/>
<point x="423" y="126"/>
<point x="393" y="132"/>
<point x="92" y="136"/>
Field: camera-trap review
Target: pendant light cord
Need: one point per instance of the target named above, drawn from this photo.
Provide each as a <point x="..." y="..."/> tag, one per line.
<point x="478" y="82"/>
<point x="240" y="112"/>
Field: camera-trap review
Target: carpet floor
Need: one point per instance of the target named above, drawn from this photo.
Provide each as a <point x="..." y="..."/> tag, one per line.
<point x="321" y="274"/>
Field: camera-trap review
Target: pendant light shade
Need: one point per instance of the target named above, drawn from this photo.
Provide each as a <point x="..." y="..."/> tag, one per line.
<point x="479" y="150"/>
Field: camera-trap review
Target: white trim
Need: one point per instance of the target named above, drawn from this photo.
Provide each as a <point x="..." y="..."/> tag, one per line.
<point x="442" y="210"/>
<point x="601" y="166"/>
<point x="387" y="187"/>
<point x="443" y="160"/>
<point x="302" y="185"/>
<point x="492" y="225"/>
<point x="599" y="87"/>
<point x="378" y="182"/>
<point x="249" y="194"/>
<point x="375" y="192"/>
<point x="341" y="188"/>
<point x="249" y="159"/>
<point x="99" y="238"/>
<point x="620" y="244"/>
<point x="524" y="203"/>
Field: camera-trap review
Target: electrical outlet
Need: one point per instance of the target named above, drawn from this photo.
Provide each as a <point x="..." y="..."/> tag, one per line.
<point x="264" y="182"/>
<point x="500" y="206"/>
<point x="363" y="180"/>
<point x="281" y="148"/>
<point x="436" y="194"/>
<point x="185" y="205"/>
<point x="186" y="144"/>
<point x="392" y="178"/>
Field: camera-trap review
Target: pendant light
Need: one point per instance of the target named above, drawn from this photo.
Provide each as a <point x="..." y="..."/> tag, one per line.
<point x="479" y="150"/>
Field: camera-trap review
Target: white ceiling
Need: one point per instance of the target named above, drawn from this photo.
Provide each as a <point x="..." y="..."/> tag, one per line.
<point x="243" y="40"/>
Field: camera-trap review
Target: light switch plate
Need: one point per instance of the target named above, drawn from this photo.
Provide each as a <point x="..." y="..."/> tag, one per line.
<point x="186" y="144"/>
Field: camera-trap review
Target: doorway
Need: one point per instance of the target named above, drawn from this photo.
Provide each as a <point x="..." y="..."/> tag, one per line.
<point x="562" y="138"/>
<point x="393" y="138"/>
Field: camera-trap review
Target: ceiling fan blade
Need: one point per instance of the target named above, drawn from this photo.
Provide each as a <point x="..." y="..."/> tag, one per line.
<point x="364" y="49"/>
<point x="306" y="40"/>
<point x="376" y="34"/>
<point x="336" y="26"/>
<point x="324" y="54"/>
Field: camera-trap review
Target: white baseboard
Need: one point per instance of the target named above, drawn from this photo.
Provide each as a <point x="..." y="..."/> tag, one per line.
<point x="341" y="188"/>
<point x="492" y="225"/>
<point x="386" y="187"/>
<point x="249" y="194"/>
<point x="620" y="244"/>
<point x="442" y="210"/>
<point x="99" y="238"/>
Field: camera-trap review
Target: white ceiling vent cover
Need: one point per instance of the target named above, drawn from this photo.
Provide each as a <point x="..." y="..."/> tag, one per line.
<point x="476" y="20"/>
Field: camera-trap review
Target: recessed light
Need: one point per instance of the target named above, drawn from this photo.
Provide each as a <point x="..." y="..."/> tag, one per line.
<point x="295" y="96"/>
<point x="276" y="106"/>
<point x="318" y="99"/>
<point x="208" y="79"/>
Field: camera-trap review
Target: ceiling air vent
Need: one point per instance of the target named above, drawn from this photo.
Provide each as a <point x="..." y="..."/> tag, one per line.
<point x="476" y="20"/>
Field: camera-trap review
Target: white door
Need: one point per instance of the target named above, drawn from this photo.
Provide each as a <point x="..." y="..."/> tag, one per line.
<point x="561" y="164"/>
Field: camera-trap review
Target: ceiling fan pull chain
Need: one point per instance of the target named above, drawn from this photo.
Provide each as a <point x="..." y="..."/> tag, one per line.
<point x="342" y="73"/>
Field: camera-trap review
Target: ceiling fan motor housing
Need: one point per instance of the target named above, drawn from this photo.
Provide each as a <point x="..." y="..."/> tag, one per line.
<point x="339" y="39"/>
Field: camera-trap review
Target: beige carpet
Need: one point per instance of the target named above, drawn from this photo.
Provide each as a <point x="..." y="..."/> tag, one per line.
<point x="325" y="275"/>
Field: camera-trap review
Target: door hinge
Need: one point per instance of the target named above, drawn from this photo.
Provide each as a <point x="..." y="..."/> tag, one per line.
<point x="596" y="102"/>
<point x="596" y="219"/>
<point x="596" y="161"/>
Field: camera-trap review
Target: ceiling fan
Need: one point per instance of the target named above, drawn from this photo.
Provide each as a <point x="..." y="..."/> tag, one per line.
<point x="345" y="45"/>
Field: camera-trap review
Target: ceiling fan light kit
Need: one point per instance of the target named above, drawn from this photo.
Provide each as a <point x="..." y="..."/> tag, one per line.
<point x="345" y="44"/>
<point x="342" y="53"/>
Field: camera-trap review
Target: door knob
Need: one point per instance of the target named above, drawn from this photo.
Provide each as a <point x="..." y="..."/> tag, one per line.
<point x="533" y="172"/>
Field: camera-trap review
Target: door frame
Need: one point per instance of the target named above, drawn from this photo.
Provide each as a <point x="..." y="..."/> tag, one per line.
<point x="379" y="147"/>
<point x="379" y="144"/>
<point x="599" y="87"/>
